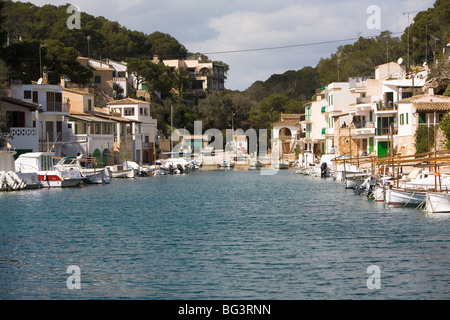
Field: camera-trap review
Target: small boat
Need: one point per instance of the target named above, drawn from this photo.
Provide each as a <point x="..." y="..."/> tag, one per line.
<point x="120" y="172"/>
<point x="93" y="175"/>
<point x="255" y="164"/>
<point x="281" y="165"/>
<point x="41" y="163"/>
<point x="438" y="202"/>
<point x="404" y="197"/>
<point x="9" y="180"/>
<point x="377" y="193"/>
<point x="226" y="164"/>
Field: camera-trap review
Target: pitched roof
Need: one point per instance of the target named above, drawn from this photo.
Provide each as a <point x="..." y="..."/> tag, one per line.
<point x="431" y="106"/>
<point x="84" y="93"/>
<point x="287" y="123"/>
<point x="127" y="101"/>
<point x="425" y="98"/>
<point x="21" y="103"/>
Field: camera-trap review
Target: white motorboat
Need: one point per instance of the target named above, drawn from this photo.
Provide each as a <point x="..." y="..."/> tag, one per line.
<point x="226" y="164"/>
<point x="93" y="175"/>
<point x="423" y="180"/>
<point x="404" y="198"/>
<point x="121" y="172"/>
<point x="41" y="163"/>
<point x="438" y="202"/>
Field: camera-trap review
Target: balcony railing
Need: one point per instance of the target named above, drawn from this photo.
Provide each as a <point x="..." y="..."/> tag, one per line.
<point x="55" y="137"/>
<point x="58" y="107"/>
<point x="23" y="132"/>
<point x="386" y="106"/>
<point x="364" y="125"/>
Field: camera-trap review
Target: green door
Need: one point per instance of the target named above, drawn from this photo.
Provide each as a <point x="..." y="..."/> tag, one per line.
<point x="105" y="158"/>
<point x="383" y="148"/>
<point x="97" y="157"/>
<point x="371" y="145"/>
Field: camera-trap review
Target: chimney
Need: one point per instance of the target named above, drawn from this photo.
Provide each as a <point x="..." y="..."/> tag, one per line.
<point x="44" y="76"/>
<point x="63" y="82"/>
<point x="430" y="91"/>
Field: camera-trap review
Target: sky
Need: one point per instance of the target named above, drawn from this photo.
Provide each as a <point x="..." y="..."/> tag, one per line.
<point x="292" y="33"/>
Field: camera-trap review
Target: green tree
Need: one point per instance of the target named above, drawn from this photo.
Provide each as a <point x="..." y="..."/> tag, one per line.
<point x="216" y="110"/>
<point x="24" y="61"/>
<point x="424" y="139"/>
<point x="117" y="91"/>
<point x="180" y="82"/>
<point x="5" y="132"/>
<point x="269" y="111"/>
<point x="444" y="125"/>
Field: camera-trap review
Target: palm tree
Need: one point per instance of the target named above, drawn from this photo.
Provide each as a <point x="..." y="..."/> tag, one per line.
<point x="117" y="91"/>
<point x="180" y="82"/>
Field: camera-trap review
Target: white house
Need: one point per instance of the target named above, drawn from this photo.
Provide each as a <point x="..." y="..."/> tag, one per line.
<point x="421" y="110"/>
<point x="145" y="135"/>
<point x="22" y="121"/>
<point x="53" y="132"/>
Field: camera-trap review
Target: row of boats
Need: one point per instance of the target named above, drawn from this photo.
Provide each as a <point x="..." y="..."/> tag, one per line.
<point x="40" y="170"/>
<point x="425" y="187"/>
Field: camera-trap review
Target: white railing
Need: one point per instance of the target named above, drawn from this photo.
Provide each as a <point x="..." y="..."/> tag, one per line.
<point x="23" y="132"/>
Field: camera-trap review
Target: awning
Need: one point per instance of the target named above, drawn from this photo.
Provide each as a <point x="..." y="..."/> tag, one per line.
<point x="90" y="119"/>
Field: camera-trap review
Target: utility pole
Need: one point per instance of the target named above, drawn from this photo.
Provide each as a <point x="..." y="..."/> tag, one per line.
<point x="426" y="32"/>
<point x="409" y="29"/>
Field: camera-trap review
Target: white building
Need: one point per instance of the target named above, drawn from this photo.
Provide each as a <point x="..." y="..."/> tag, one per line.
<point x="21" y="116"/>
<point x="53" y="132"/>
<point x="145" y="134"/>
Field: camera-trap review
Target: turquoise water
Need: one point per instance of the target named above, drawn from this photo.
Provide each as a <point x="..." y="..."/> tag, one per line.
<point x="218" y="235"/>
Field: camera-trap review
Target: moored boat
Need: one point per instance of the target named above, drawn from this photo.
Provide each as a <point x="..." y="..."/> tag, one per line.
<point x="120" y="172"/>
<point x="41" y="163"/>
<point x="9" y="180"/>
<point x="404" y="197"/>
<point x="438" y="202"/>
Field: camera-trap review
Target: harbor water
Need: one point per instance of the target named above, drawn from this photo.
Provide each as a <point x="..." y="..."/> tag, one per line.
<point x="219" y="235"/>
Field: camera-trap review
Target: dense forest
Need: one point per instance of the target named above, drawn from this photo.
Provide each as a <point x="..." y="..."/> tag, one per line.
<point x="30" y="34"/>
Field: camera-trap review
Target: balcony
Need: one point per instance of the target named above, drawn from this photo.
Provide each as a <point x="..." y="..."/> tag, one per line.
<point x="54" y="137"/>
<point x="364" y="128"/>
<point x="365" y="100"/>
<point x="386" y="107"/>
<point x="23" y="132"/>
<point x="58" y="107"/>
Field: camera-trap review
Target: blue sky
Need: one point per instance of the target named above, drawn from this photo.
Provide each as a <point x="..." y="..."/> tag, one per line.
<point x="211" y="26"/>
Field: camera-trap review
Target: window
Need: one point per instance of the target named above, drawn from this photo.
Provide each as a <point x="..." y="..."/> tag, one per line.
<point x="54" y="101"/>
<point x="407" y="118"/>
<point x="129" y="112"/>
<point x="422" y="118"/>
<point x="89" y="105"/>
<point x="27" y="95"/>
<point x="98" y="79"/>
<point x="16" y="119"/>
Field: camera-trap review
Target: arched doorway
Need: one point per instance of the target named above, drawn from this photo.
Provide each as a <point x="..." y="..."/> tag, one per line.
<point x="285" y="135"/>
<point x="97" y="155"/>
<point x="105" y="157"/>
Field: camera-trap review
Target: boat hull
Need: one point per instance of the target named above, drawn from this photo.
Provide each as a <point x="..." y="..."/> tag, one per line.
<point x="438" y="202"/>
<point x="125" y="174"/>
<point x="404" y="198"/>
